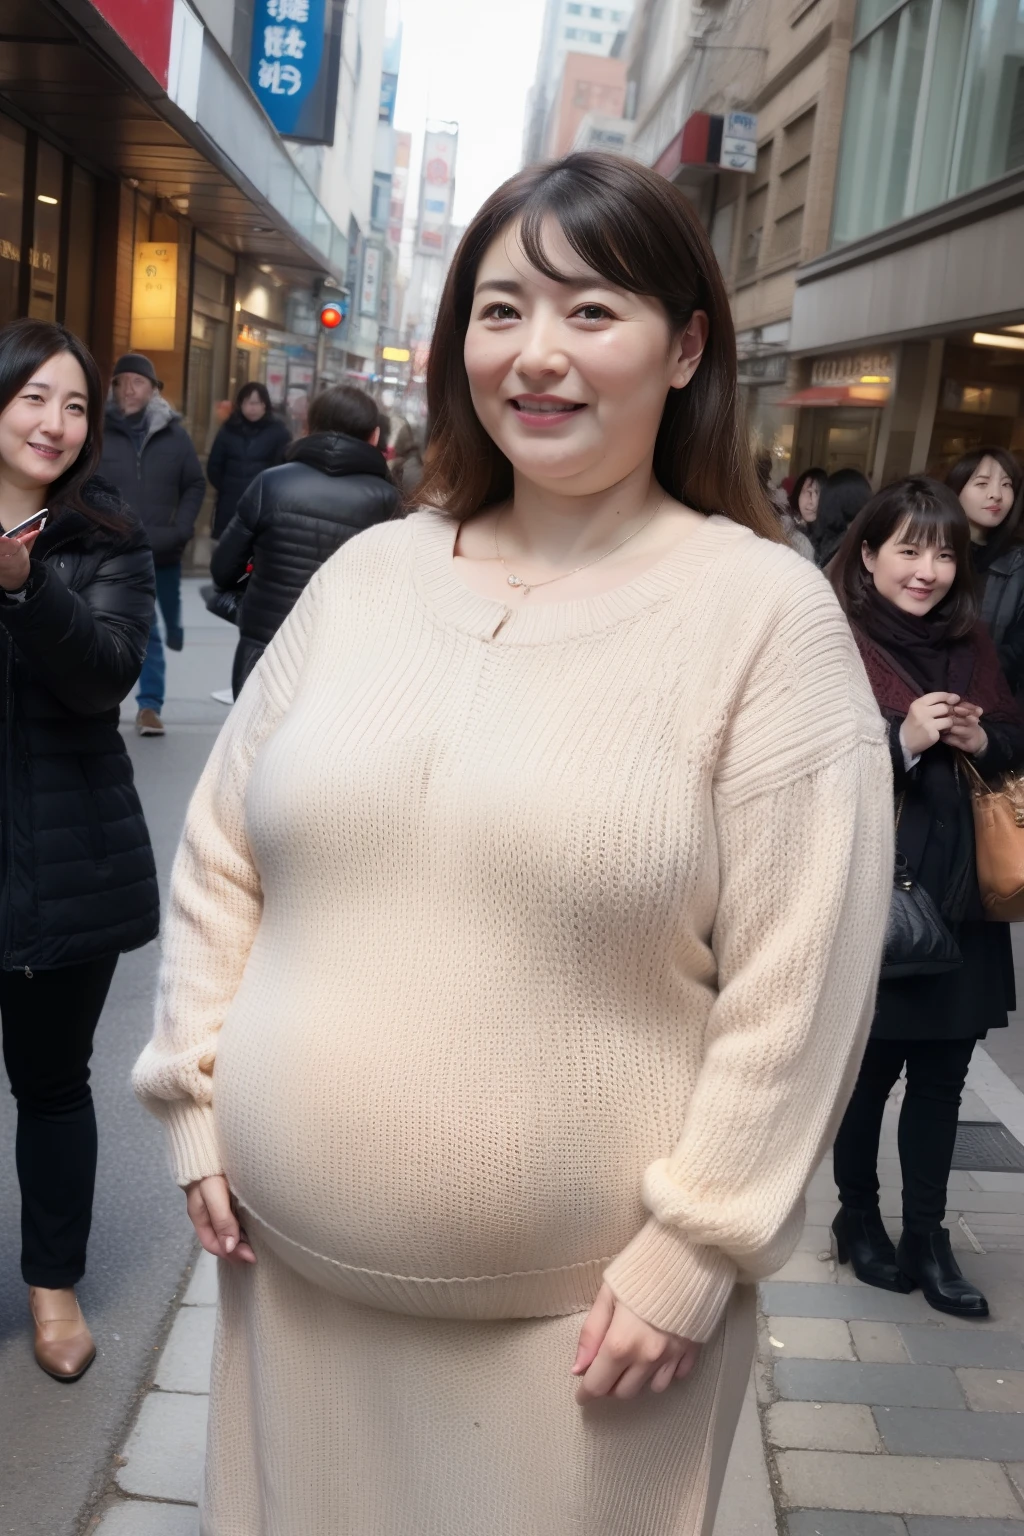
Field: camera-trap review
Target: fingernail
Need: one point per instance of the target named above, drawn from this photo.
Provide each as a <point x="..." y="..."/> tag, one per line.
<point x="230" y="1244"/>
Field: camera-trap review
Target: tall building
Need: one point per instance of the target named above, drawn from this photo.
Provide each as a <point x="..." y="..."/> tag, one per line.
<point x="189" y="179"/>
<point x="919" y="281"/>
<point x="570" y="26"/>
<point x="434" y="241"/>
<point x="590" y="83"/>
<point x="740" y="105"/>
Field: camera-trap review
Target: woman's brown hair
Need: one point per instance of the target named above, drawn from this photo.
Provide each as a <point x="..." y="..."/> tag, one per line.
<point x="639" y="233"/>
<point x="922" y="511"/>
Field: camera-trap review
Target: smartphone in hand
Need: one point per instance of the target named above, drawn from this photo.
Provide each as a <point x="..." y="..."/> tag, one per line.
<point x="34" y="524"/>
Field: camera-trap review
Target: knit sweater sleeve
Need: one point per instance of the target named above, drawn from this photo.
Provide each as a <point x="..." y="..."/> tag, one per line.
<point x="214" y="912"/>
<point x="803" y="815"/>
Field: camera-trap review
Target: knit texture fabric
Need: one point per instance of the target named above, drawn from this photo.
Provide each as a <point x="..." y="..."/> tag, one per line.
<point x="512" y="947"/>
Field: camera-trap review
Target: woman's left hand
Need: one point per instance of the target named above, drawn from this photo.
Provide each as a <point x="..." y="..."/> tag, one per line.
<point x="966" y="732"/>
<point x="14" y="562"/>
<point x="619" y="1354"/>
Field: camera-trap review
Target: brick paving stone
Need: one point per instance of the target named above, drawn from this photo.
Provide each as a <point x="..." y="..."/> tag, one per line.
<point x="790" y="1298"/>
<point x="907" y="1485"/>
<point x="951" y="1433"/>
<point x="993" y="1391"/>
<point x="843" y="1381"/>
<point x="931" y="1345"/>
<point x="185" y="1363"/>
<point x="808" y="1267"/>
<point x="878" y="1343"/>
<point x="164" y="1453"/>
<point x="138" y="1517"/>
<point x="822" y="1427"/>
<point x="202" y="1289"/>
<point x="833" y="1522"/>
<point x="811" y="1338"/>
<point x="940" y="1527"/>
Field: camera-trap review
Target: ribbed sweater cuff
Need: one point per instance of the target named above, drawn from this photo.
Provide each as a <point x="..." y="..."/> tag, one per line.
<point x="672" y="1283"/>
<point x="192" y="1141"/>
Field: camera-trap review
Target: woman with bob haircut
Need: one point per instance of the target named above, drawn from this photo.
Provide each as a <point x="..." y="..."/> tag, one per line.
<point x="990" y="486"/>
<point x="77" y="881"/>
<point x="526" y="926"/>
<point x="904" y="578"/>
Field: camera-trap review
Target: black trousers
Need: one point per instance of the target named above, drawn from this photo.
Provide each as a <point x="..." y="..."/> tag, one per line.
<point x="49" y="1019"/>
<point x="936" y="1071"/>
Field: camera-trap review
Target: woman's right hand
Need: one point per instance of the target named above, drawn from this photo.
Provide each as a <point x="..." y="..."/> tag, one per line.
<point x="15" y="567"/>
<point x="926" y="720"/>
<point x="208" y="1202"/>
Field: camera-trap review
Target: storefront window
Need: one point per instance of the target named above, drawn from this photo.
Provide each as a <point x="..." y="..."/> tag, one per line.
<point x="934" y="108"/>
<point x="81" y="241"/>
<point x="45" y="255"/>
<point x="12" y="175"/>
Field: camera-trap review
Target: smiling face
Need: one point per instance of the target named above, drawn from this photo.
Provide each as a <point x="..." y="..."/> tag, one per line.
<point x="570" y="378"/>
<point x="44" y="427"/>
<point x="912" y="576"/>
<point x="987" y="498"/>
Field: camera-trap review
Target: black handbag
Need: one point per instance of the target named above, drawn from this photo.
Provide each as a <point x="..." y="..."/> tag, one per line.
<point x="917" y="941"/>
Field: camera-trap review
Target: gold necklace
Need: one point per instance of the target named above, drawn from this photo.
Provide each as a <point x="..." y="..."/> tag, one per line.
<point x="527" y="587"/>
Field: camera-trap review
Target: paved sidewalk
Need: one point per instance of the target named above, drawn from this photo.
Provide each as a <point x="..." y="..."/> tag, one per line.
<point x="873" y="1415"/>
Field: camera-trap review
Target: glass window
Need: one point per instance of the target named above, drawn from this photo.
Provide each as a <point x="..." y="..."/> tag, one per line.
<point x="45" y="254"/>
<point x="938" y="127"/>
<point x="878" y="126"/>
<point x="991" y="132"/>
<point x="593" y="37"/>
<point x="574" y="10"/>
<point x="80" y="254"/>
<point x="12" y="173"/>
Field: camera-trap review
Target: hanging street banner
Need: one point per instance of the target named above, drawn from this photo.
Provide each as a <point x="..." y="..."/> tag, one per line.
<point x="437" y="192"/>
<point x="296" y="46"/>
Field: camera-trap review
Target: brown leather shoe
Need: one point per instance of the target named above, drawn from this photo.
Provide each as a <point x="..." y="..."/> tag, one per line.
<point x="148" y="723"/>
<point x="64" y="1347"/>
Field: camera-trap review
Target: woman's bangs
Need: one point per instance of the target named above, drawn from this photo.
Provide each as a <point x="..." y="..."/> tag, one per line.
<point x="587" y="232"/>
<point x="929" y="526"/>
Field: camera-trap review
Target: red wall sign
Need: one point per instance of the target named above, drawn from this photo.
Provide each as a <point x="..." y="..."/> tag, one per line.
<point x="145" y="25"/>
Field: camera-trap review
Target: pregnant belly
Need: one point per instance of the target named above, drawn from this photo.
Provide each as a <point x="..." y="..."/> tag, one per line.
<point x="430" y="1166"/>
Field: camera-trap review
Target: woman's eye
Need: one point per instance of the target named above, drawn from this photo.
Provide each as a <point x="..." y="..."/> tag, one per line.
<point x="500" y="312"/>
<point x="592" y="312"/>
<point x="79" y="410"/>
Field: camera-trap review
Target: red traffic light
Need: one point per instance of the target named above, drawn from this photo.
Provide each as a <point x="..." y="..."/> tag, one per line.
<point x="331" y="316"/>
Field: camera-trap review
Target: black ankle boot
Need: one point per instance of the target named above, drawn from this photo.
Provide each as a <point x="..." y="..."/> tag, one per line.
<point x="862" y="1241"/>
<point x="927" y="1259"/>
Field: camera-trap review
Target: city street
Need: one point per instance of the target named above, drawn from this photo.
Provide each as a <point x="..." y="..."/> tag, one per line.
<point x="56" y="1441"/>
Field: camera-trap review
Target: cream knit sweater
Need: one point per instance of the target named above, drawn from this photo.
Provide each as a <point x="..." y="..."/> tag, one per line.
<point x="513" y="947"/>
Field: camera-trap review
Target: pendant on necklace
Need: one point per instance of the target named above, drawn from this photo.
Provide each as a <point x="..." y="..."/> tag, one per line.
<point x="517" y="581"/>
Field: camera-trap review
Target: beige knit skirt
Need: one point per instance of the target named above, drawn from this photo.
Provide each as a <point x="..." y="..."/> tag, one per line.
<point x="332" y="1419"/>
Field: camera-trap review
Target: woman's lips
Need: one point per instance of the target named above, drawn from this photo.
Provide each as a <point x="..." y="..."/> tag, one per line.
<point x="44" y="451"/>
<point x="545" y="413"/>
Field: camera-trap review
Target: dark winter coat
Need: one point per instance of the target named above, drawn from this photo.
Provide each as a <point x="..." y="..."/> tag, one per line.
<point x="242" y="450"/>
<point x="936" y="837"/>
<point x="163" y="482"/>
<point x="77" y="879"/>
<point x="292" y="519"/>
<point x="1002" y="611"/>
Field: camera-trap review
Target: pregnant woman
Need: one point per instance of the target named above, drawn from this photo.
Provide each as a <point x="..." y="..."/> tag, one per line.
<point x="525" y="929"/>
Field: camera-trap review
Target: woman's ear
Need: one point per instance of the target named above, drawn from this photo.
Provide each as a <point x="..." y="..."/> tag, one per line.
<point x="869" y="556"/>
<point x="689" y="349"/>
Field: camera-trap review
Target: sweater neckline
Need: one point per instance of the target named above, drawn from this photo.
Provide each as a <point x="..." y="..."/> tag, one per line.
<point x="459" y="607"/>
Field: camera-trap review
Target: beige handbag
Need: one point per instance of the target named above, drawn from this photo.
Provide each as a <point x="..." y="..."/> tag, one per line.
<point x="999" y="844"/>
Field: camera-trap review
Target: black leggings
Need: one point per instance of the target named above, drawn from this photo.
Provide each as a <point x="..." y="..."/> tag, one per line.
<point x="936" y="1072"/>
<point x="49" y="1019"/>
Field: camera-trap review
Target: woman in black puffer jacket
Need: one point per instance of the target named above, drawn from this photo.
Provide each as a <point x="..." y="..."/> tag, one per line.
<point x="77" y="879"/>
<point x="250" y="441"/>
<point x="293" y="518"/>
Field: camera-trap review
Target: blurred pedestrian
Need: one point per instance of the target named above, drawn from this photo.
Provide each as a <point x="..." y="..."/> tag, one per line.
<point x="804" y="496"/>
<point x="990" y="486"/>
<point x="903" y="576"/>
<point x="511" y="899"/>
<point x="840" y="499"/>
<point x="77" y="882"/>
<point x="791" y="527"/>
<point x="149" y="457"/>
<point x="294" y="517"/>
<point x="251" y="440"/>
<point x="407" y="460"/>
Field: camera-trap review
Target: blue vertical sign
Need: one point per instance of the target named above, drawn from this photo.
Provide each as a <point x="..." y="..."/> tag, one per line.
<point x="293" y="67"/>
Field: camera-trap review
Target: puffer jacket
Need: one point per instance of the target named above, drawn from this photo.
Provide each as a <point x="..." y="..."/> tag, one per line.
<point x="242" y="450"/>
<point x="1002" y="612"/>
<point x="77" y="878"/>
<point x="293" y="518"/>
<point x="162" y="482"/>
